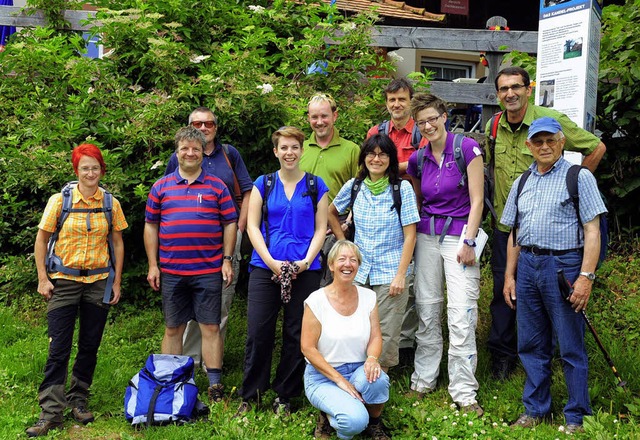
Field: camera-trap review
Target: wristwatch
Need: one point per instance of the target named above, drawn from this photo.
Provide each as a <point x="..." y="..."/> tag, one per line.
<point x="589" y="275"/>
<point x="228" y="257"/>
<point x="469" y="242"/>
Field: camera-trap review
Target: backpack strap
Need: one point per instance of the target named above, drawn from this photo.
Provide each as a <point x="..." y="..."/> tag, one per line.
<point x="355" y="189"/>
<point x="312" y="190"/>
<point x="416" y="136"/>
<point x="523" y="180"/>
<point x="236" y="185"/>
<point x="268" y="186"/>
<point x="420" y="162"/>
<point x="459" y="158"/>
<point x="572" y="188"/>
<point x="384" y="127"/>
<point x="397" y="199"/>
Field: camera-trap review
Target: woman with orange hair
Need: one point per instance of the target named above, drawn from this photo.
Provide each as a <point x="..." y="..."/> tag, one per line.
<point x="74" y="283"/>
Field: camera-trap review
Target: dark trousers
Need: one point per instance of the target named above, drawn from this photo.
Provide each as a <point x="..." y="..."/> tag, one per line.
<point x="502" y="336"/>
<point x="61" y="321"/>
<point x="263" y="306"/>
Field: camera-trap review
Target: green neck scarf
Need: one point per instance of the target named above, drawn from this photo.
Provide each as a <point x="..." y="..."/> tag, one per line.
<point x="377" y="187"/>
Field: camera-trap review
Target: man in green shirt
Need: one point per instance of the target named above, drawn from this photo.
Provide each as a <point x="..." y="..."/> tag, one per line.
<point x="328" y="155"/>
<point x="512" y="158"/>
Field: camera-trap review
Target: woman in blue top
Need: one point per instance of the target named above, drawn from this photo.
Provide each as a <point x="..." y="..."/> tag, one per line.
<point x="385" y="235"/>
<point x="285" y="269"/>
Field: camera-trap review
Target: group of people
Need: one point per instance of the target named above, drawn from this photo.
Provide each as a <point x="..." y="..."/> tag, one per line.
<point x="412" y="213"/>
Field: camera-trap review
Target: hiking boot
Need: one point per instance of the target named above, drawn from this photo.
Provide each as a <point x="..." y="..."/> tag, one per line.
<point x="526" y="421"/>
<point x="82" y="415"/>
<point x="572" y="428"/>
<point x="216" y="393"/>
<point x="281" y="407"/>
<point x="243" y="409"/>
<point x="42" y="427"/>
<point x="323" y="427"/>
<point x="376" y="432"/>
<point x="473" y="408"/>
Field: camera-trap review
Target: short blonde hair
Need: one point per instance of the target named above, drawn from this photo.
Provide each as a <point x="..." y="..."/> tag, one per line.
<point x="323" y="97"/>
<point x="341" y="244"/>
<point x="287" y="131"/>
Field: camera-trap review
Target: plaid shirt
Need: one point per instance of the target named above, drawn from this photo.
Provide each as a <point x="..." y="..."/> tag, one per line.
<point x="79" y="248"/>
<point x="379" y="234"/>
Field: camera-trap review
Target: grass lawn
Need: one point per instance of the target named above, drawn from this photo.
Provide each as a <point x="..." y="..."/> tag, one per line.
<point x="132" y="334"/>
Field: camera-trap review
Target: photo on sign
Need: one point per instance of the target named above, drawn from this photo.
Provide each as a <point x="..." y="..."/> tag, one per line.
<point x="546" y="90"/>
<point x="572" y="48"/>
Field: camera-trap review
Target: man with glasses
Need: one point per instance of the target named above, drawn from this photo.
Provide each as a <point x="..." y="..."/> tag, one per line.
<point x="225" y="162"/>
<point x="511" y="158"/>
<point x="327" y="155"/>
<point x="403" y="131"/>
<point x="538" y="249"/>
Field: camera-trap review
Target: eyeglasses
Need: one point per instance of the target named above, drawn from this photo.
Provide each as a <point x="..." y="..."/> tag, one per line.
<point x="382" y="156"/>
<point x="515" y="88"/>
<point x="538" y="143"/>
<point x="199" y="124"/>
<point x="431" y="121"/>
<point x="95" y="169"/>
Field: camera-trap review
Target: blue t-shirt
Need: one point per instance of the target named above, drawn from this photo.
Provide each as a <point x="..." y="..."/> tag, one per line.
<point x="291" y="222"/>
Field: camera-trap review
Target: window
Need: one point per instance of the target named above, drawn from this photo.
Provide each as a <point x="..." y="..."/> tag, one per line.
<point x="447" y="69"/>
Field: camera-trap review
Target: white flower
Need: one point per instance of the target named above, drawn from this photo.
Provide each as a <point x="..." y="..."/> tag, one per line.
<point x="453" y="406"/>
<point x="495" y="397"/>
<point x="199" y="58"/>
<point x="470" y="423"/>
<point x="454" y="424"/>
<point x="615" y="420"/>
<point x="495" y="424"/>
<point x="561" y="428"/>
<point x="266" y="88"/>
<point x="90" y="90"/>
<point x="257" y="9"/>
<point x="348" y="26"/>
<point x="395" y="57"/>
<point x="434" y="438"/>
<point x="157" y="165"/>
<point x="475" y="435"/>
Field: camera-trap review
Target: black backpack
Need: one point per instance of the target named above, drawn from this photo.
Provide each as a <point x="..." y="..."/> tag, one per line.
<point x="269" y="179"/>
<point x="355" y="189"/>
<point x="574" y="198"/>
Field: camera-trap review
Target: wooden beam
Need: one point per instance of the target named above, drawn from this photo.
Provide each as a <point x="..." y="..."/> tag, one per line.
<point x="473" y="40"/>
<point x="462" y="93"/>
<point x="17" y="16"/>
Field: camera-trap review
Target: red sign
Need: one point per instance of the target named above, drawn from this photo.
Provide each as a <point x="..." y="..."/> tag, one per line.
<point x="459" y="7"/>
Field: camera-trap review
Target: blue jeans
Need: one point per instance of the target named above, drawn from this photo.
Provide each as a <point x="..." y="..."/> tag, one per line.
<point x="541" y="310"/>
<point x="347" y="415"/>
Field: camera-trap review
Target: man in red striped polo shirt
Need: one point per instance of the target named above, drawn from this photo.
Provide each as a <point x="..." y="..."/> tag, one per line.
<point x="189" y="237"/>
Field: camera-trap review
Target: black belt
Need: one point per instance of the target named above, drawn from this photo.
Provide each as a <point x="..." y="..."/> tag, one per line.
<point x="539" y="251"/>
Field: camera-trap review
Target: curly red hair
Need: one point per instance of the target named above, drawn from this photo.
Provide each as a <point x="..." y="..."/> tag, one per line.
<point x="87" y="150"/>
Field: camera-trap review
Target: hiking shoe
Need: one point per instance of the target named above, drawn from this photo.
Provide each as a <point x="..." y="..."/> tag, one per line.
<point x="243" y="409"/>
<point x="323" y="427"/>
<point x="216" y="393"/>
<point x="376" y="432"/>
<point x="82" y="415"/>
<point x="417" y="395"/>
<point x="572" y="428"/>
<point x="42" y="427"/>
<point x="526" y="421"/>
<point x="281" y="407"/>
<point x="473" y="408"/>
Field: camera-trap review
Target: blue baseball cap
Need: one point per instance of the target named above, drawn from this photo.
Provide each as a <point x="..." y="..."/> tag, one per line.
<point x="546" y="124"/>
